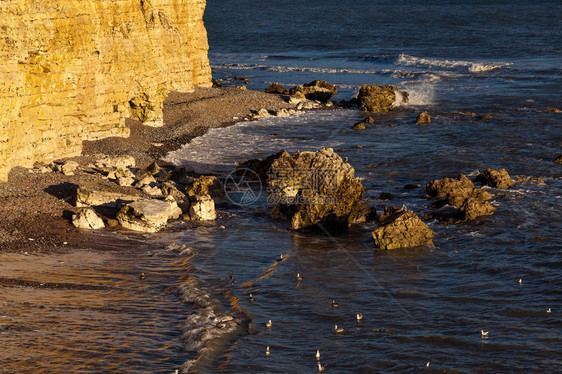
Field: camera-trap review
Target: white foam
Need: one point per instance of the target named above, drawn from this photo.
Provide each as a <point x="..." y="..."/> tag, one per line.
<point x="469" y="66"/>
<point x="420" y="94"/>
<point x="286" y="69"/>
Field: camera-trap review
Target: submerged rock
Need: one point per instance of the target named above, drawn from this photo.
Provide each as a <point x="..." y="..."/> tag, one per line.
<point x="375" y="98"/>
<point x="495" y="178"/>
<point x="87" y="219"/>
<point x="359" y="126"/>
<point x="423" y="118"/>
<point x="401" y="228"/>
<point x="558" y="159"/>
<point x="148" y="215"/>
<point x="315" y="188"/>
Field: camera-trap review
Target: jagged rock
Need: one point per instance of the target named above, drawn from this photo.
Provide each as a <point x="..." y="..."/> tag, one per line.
<point x="148" y="215"/>
<point x="124" y="181"/>
<point x="375" y="98"/>
<point x="495" y="178"/>
<point x="315" y="90"/>
<point x="202" y="208"/>
<point x="86" y="196"/>
<point x="262" y="113"/>
<point x="400" y="228"/>
<point x="423" y="118"/>
<point x="116" y="162"/>
<point x="474" y="207"/>
<point x="120" y="172"/>
<point x="87" y="219"/>
<point x="460" y="193"/>
<point x="276" y="88"/>
<point x="310" y="188"/>
<point x="445" y="186"/>
<point x="558" y="159"/>
<point x="530" y="179"/>
<point x="152" y="190"/>
<point x="207" y="185"/>
<point x="359" y="126"/>
<point x="147" y="180"/>
<point x="152" y="169"/>
<point x="170" y="190"/>
<point x="69" y="167"/>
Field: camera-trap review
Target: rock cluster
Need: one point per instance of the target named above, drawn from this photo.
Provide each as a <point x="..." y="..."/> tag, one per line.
<point x="316" y="90"/>
<point x="460" y="193"/>
<point x="495" y="178"/>
<point x="152" y="198"/>
<point x="384" y="98"/>
<point x="401" y="228"/>
<point x="315" y="188"/>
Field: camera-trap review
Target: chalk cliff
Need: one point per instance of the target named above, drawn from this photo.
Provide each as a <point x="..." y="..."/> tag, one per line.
<point x="73" y="70"/>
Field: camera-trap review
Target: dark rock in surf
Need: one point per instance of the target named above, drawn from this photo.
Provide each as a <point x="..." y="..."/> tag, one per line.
<point x="495" y="178"/>
<point x="375" y="98"/>
<point x="423" y="118"/>
<point x="558" y="159"/>
<point x="401" y="228"/>
<point x="276" y="88"/>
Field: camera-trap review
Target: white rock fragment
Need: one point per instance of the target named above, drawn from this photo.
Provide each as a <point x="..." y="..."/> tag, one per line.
<point x="87" y="219"/>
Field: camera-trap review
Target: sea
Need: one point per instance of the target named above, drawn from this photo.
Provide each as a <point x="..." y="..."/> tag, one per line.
<point x="486" y="71"/>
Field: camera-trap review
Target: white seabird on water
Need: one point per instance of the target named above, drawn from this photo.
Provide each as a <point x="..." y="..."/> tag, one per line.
<point x="338" y="329"/>
<point x="318" y="354"/>
<point x="484" y="333"/>
<point x="267" y="351"/>
<point x="359" y="316"/>
<point x="320" y="367"/>
<point x="268" y="324"/>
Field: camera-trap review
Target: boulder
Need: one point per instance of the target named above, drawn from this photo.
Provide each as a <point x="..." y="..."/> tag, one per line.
<point x="315" y="188"/>
<point x="423" y="118"/>
<point x="69" y="167"/>
<point x="375" y="98"/>
<point x="148" y="215"/>
<point x="315" y="90"/>
<point x="445" y="186"/>
<point x="87" y="219"/>
<point x="460" y="193"/>
<point x="207" y="185"/>
<point x="401" y="228"/>
<point x="202" y="208"/>
<point x="86" y="196"/>
<point x="495" y="178"/>
<point x="359" y="126"/>
<point x="276" y="88"/>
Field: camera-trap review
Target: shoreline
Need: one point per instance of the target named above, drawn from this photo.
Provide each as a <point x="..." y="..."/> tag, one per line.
<point x="36" y="209"/>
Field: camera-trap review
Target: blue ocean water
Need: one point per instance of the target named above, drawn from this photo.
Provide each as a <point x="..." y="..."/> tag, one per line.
<point x="428" y="305"/>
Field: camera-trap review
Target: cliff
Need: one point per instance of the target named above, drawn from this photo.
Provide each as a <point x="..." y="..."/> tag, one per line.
<point x="73" y="70"/>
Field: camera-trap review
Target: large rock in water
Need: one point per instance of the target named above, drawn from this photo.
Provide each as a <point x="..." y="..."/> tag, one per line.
<point x="401" y="228"/>
<point x="315" y="188"/>
<point x="375" y="98"/>
<point x="460" y="193"/>
<point x="495" y="178"/>
<point x="148" y="215"/>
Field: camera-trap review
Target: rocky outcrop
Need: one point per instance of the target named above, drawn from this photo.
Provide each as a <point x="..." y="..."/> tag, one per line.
<point x="375" y="98"/>
<point x="423" y="118"/>
<point x="73" y="70"/>
<point x="315" y="90"/>
<point x="401" y="228"/>
<point x="148" y="215"/>
<point x="470" y="202"/>
<point x="495" y="178"/>
<point x="311" y="188"/>
<point x="87" y="219"/>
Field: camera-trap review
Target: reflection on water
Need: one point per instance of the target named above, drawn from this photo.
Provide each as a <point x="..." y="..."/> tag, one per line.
<point x="88" y="312"/>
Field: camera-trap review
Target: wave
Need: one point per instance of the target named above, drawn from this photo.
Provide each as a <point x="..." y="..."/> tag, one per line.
<point x="469" y="66"/>
<point x="287" y="69"/>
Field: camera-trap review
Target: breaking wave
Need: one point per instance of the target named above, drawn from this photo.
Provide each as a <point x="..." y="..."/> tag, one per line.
<point x="469" y="66"/>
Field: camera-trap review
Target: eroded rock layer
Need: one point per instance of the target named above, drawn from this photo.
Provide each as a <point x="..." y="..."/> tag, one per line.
<point x="73" y="70"/>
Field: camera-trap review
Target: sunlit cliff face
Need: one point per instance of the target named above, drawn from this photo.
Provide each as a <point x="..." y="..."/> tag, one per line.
<point x="74" y="70"/>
